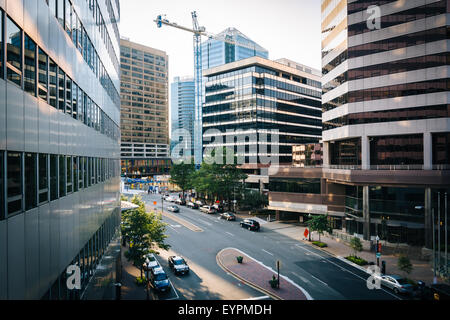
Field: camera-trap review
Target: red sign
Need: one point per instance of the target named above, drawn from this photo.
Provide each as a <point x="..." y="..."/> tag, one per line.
<point x="217" y="201"/>
<point x="306" y="233"/>
<point x="379" y="247"/>
<point x="154" y="203"/>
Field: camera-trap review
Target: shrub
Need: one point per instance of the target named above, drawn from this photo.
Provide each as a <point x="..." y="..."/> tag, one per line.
<point x="141" y="281"/>
<point x="273" y="282"/>
<point x="239" y="259"/>
<point x="320" y="244"/>
<point x="359" y="261"/>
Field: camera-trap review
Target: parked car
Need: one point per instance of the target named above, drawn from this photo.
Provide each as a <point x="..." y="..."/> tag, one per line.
<point x="250" y="224"/>
<point x="229" y="216"/>
<point x="192" y="205"/>
<point x="180" y="201"/>
<point x="153" y="263"/>
<point x="397" y="283"/>
<point x="173" y="208"/>
<point x="218" y="207"/>
<point x="200" y="203"/>
<point x="159" y="279"/>
<point x="178" y="264"/>
<point x="208" y="209"/>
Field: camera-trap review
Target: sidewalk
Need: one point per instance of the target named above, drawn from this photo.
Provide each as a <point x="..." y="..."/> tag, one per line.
<point x="130" y="290"/>
<point x="257" y="275"/>
<point x="422" y="270"/>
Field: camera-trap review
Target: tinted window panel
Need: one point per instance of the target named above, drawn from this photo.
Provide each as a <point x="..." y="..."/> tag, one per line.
<point x="30" y="181"/>
<point x="30" y="66"/>
<point x="14" y="189"/>
<point x="14" y="52"/>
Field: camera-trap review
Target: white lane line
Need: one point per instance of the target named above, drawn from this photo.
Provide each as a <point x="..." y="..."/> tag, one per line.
<point x="175" y="291"/>
<point x="202" y="221"/>
<point x="341" y="267"/>
<point x="258" y="298"/>
<point x="319" y="280"/>
<point x="267" y="252"/>
<point x="173" y="228"/>
<point x="300" y="277"/>
<point x="229" y="233"/>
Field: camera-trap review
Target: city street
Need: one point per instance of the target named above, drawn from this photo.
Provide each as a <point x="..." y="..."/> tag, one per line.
<point x="321" y="275"/>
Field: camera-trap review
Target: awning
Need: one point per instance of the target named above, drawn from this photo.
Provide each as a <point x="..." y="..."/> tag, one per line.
<point x="126" y="205"/>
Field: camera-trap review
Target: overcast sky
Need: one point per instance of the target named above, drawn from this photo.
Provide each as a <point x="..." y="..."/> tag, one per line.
<point x="286" y="28"/>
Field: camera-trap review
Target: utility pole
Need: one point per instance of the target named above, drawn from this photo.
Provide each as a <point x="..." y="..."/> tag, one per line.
<point x="434" y="246"/>
<point x="439" y="231"/>
<point x="446" y="239"/>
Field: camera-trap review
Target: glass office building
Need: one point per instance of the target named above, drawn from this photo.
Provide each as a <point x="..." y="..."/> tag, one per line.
<point x="386" y="115"/>
<point x="59" y="143"/>
<point x="273" y="105"/>
<point x="217" y="52"/>
<point x="182" y="112"/>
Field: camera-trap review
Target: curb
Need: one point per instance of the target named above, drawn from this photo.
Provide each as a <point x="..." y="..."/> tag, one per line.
<point x="219" y="262"/>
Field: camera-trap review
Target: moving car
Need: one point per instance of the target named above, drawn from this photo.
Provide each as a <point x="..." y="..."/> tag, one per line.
<point x="153" y="263"/>
<point x="173" y="208"/>
<point x="178" y="264"/>
<point x="250" y="224"/>
<point x="397" y="283"/>
<point x="208" y="209"/>
<point x="181" y="201"/>
<point x="200" y="203"/>
<point x="229" y="216"/>
<point x="192" y="205"/>
<point x="218" y="207"/>
<point x="159" y="279"/>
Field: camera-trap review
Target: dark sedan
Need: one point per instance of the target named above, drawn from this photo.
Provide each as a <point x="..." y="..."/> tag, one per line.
<point x="250" y="224"/>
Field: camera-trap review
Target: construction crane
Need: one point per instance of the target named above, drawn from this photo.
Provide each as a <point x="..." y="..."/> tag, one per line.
<point x="198" y="32"/>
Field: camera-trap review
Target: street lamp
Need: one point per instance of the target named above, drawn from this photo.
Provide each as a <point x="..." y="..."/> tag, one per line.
<point x="309" y="233"/>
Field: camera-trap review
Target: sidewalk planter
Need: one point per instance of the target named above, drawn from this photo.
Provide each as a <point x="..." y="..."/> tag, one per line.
<point x="359" y="261"/>
<point x="239" y="259"/>
<point x="319" y="244"/>
<point x="274" y="282"/>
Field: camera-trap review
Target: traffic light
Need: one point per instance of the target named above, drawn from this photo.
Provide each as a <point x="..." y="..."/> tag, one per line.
<point x="379" y="248"/>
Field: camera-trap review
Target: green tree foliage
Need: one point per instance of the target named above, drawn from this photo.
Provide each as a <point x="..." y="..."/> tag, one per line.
<point x="404" y="264"/>
<point x="254" y="200"/>
<point x="181" y="175"/>
<point x="318" y="223"/>
<point x="356" y="245"/>
<point x="145" y="232"/>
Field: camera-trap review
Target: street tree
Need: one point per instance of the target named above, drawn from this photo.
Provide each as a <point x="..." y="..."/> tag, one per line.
<point x="318" y="223"/>
<point x="356" y="245"/>
<point x="254" y="199"/>
<point x="145" y="231"/>
<point x="182" y="175"/>
<point x="404" y="264"/>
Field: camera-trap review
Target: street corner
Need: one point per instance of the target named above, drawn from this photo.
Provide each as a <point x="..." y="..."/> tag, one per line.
<point x="257" y="275"/>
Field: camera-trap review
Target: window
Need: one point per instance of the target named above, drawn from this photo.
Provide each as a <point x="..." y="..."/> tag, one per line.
<point x="68" y="17"/>
<point x="2" y="186"/>
<point x="76" y="173"/>
<point x="52" y="5"/>
<point x="74" y="100"/>
<point x="30" y="66"/>
<point x="68" y="96"/>
<point x="62" y="176"/>
<point x="30" y="181"/>
<point x="1" y="49"/>
<point x="86" y="172"/>
<point x="14" y="52"/>
<point x="80" y="172"/>
<point x="43" y="178"/>
<point x="60" y="12"/>
<point x="52" y="71"/>
<point x="14" y="189"/>
<point x="69" y="167"/>
<point x="61" y="87"/>
<point x="81" y="105"/>
<point x="43" y="75"/>
<point x="53" y="177"/>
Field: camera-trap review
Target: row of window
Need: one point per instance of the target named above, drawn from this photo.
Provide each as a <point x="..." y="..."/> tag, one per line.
<point x="417" y="13"/>
<point x="32" y="179"/>
<point x="297" y="185"/>
<point x="41" y="77"/>
<point x="428" y="112"/>
<point x="69" y="20"/>
<point x="87" y="259"/>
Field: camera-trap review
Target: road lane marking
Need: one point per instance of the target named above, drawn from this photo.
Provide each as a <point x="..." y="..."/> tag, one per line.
<point x="205" y="222"/>
<point x="319" y="280"/>
<point x="267" y="252"/>
<point x="229" y="233"/>
<point x="300" y="277"/>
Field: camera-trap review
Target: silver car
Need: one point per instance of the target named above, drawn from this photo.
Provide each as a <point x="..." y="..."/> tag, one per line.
<point x="396" y="283"/>
<point x="152" y="262"/>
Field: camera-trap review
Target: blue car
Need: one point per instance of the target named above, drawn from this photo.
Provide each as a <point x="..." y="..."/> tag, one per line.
<point x="159" y="280"/>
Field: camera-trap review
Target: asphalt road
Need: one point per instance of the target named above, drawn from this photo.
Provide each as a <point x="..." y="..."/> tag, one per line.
<point x="323" y="276"/>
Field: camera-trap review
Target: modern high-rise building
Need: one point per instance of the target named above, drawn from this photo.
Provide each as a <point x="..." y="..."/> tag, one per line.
<point x="386" y="119"/>
<point x="182" y="112"/>
<point x="59" y="144"/>
<point x="217" y="52"/>
<point x="144" y="110"/>
<point x="261" y="108"/>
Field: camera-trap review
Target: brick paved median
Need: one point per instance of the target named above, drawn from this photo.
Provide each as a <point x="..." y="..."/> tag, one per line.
<point x="257" y="275"/>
